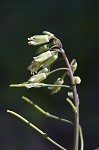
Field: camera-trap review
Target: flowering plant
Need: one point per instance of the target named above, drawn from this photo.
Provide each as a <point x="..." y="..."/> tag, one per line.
<point x="41" y="67"/>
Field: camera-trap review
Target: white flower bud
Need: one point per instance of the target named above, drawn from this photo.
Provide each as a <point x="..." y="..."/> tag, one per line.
<point x="35" y="66"/>
<point x="56" y="89"/>
<point x="38" y="40"/>
<point x="70" y="94"/>
<point x="48" y="33"/>
<point x="42" y="49"/>
<point x="37" y="78"/>
<point x="77" y="80"/>
<point x="73" y="65"/>
<point x="42" y="57"/>
<point x="50" y="60"/>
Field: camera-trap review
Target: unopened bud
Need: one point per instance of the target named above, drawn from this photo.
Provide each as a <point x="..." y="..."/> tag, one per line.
<point x="73" y="65"/>
<point x="48" y="33"/>
<point x="38" y="40"/>
<point x="77" y="80"/>
<point x="42" y="57"/>
<point x="70" y="94"/>
<point x="43" y="49"/>
<point x="37" y="78"/>
<point x="56" y="89"/>
<point x="50" y="60"/>
<point x="35" y="66"/>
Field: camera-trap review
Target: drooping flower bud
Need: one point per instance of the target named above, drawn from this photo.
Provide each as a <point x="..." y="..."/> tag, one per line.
<point x="77" y="80"/>
<point x="35" y="66"/>
<point x="70" y="94"/>
<point x="51" y="60"/>
<point x="45" y="70"/>
<point x="38" y="40"/>
<point x="56" y="89"/>
<point x="42" y="57"/>
<point x="73" y="65"/>
<point x="37" y="78"/>
<point x="42" y="49"/>
<point x="48" y="33"/>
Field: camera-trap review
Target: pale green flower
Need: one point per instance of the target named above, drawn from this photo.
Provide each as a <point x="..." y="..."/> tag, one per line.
<point x="42" y="49"/>
<point x="42" y="57"/>
<point x="35" y="66"/>
<point x="37" y="78"/>
<point x="48" y="33"/>
<point x="38" y="40"/>
<point x="44" y="70"/>
<point x="51" y="60"/>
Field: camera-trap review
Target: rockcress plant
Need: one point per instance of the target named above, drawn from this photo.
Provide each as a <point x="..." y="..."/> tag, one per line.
<point x="40" y="68"/>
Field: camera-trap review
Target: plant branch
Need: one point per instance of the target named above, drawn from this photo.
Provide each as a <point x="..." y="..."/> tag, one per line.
<point x="37" y="129"/>
<point x="47" y="114"/>
<point x="37" y="85"/>
<point x="58" y="69"/>
<point x="81" y="138"/>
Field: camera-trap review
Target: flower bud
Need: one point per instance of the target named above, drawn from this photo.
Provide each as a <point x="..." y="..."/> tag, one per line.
<point x="77" y="80"/>
<point x="37" y="78"/>
<point x="43" y="49"/>
<point x="73" y="65"/>
<point x="56" y="89"/>
<point x="42" y="57"/>
<point x="35" y="66"/>
<point x="48" y="33"/>
<point x="50" y="60"/>
<point x="38" y="40"/>
<point x="70" y="94"/>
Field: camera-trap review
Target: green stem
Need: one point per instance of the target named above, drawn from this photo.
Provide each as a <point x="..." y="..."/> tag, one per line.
<point x="58" y="69"/>
<point x="38" y="85"/>
<point x="81" y="138"/>
<point x="71" y="104"/>
<point x="47" y="114"/>
<point x="37" y="129"/>
<point x="76" y="102"/>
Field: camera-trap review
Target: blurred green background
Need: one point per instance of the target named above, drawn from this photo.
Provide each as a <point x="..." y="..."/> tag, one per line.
<point x="76" y="24"/>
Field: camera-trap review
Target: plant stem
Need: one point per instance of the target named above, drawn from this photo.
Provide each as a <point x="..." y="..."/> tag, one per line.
<point x="47" y="114"/>
<point x="38" y="85"/>
<point x="37" y="129"/>
<point x="57" y="70"/>
<point x="76" y="101"/>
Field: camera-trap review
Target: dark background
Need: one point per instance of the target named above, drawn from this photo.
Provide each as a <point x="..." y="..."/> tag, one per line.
<point x="76" y="24"/>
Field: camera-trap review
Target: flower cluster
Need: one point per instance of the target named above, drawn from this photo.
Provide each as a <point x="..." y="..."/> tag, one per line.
<point x="47" y="53"/>
<point x="40" y="67"/>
